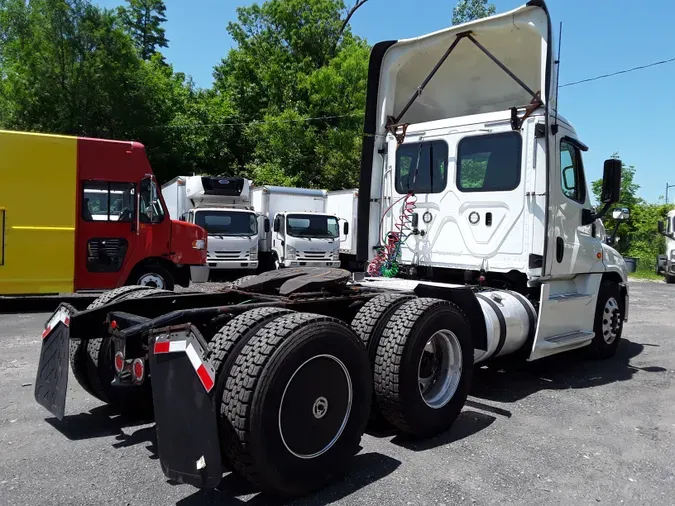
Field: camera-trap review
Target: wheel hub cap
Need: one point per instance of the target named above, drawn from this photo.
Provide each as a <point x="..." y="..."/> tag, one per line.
<point x="315" y="406"/>
<point x="611" y="320"/>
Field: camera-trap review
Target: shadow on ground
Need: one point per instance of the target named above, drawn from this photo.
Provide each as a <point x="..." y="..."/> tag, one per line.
<point x="365" y="469"/>
<point x="560" y="372"/>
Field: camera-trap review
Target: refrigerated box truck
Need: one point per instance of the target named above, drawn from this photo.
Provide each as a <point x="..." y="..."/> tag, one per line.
<point x="221" y="205"/>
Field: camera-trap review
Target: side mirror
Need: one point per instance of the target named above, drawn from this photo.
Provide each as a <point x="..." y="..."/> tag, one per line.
<point x="611" y="181"/>
<point x="266" y="226"/>
<point x="345" y="228"/>
<point x="277" y="226"/>
<point x="621" y="214"/>
<point x="662" y="228"/>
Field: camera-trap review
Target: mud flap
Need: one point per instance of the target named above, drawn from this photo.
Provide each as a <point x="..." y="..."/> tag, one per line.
<point x="51" y="383"/>
<point x="185" y="414"/>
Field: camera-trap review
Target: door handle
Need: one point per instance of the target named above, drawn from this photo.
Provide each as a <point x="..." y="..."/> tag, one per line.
<point x="559" y="249"/>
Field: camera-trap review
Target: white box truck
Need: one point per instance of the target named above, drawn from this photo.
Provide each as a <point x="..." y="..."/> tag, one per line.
<point x="665" y="264"/>
<point x="303" y="234"/>
<point x="222" y="206"/>
<point x="345" y="204"/>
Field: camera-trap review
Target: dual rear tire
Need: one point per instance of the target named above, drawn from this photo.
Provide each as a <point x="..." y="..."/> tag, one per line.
<point x="421" y="352"/>
<point x="293" y="392"/>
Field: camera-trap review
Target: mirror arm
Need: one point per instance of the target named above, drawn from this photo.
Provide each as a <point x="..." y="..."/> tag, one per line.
<point x="602" y="212"/>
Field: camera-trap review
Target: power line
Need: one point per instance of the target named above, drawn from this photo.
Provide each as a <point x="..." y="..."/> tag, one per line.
<point x="625" y="71"/>
<point x="259" y="122"/>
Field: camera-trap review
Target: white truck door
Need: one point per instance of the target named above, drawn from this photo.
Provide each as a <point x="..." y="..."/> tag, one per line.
<point x="573" y="247"/>
<point x="470" y="189"/>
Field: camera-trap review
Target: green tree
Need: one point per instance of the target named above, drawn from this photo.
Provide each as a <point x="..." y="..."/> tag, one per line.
<point x="469" y="10"/>
<point x="294" y="60"/>
<point x="639" y="236"/>
<point x="143" y="19"/>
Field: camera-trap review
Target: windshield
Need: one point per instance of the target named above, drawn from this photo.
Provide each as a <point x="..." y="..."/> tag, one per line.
<point x="312" y="225"/>
<point x="227" y="223"/>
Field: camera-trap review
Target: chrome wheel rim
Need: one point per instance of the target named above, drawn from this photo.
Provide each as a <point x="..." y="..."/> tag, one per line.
<point x="440" y="369"/>
<point x="151" y="279"/>
<point x="611" y="320"/>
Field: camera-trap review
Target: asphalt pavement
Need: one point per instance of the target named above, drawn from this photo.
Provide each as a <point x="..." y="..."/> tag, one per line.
<point x="563" y="430"/>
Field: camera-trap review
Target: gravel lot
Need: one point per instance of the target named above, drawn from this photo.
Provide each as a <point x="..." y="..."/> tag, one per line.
<point x="558" y="431"/>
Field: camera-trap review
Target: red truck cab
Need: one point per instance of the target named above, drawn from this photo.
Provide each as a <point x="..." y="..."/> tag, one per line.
<point x="124" y="234"/>
<point x="87" y="214"/>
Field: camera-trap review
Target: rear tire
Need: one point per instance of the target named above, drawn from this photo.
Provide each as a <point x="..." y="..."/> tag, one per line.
<point x="101" y="371"/>
<point x="78" y="348"/>
<point x="298" y="398"/>
<point x="608" y="326"/>
<point x="424" y="366"/>
<point x="670" y="279"/>
<point x="154" y="276"/>
<point x="369" y="323"/>
<point x="223" y="351"/>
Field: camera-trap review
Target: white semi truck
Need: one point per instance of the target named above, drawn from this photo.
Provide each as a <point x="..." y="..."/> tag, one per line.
<point x="472" y="193"/>
<point x="665" y="264"/>
<point x="221" y="206"/>
<point x="302" y="234"/>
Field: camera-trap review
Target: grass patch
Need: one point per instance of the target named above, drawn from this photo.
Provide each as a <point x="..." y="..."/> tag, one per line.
<point x="646" y="274"/>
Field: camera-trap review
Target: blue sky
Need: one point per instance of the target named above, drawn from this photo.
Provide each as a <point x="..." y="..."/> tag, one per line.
<point x="629" y="114"/>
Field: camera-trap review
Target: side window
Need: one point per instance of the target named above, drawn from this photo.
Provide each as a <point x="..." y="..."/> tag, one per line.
<point x="422" y="167"/>
<point x="572" y="179"/>
<point x="151" y="210"/>
<point x="102" y="201"/>
<point x="489" y="163"/>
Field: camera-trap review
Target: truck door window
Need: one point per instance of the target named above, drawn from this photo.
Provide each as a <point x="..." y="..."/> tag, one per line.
<point x="151" y="206"/>
<point x="489" y="163"/>
<point x="422" y="167"/>
<point x="572" y="179"/>
<point x="103" y="201"/>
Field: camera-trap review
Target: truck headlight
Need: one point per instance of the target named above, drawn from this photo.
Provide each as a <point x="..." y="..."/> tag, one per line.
<point x="336" y="251"/>
<point x="198" y="244"/>
<point x="672" y="255"/>
<point x="291" y="253"/>
<point x="254" y="253"/>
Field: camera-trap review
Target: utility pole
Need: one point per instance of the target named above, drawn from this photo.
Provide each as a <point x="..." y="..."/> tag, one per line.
<point x="668" y="186"/>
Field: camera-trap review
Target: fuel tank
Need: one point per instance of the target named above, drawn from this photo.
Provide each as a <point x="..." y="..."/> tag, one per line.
<point x="510" y="320"/>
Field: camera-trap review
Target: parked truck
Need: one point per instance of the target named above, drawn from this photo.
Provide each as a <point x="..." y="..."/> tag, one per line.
<point x="222" y="206"/>
<point x="302" y="234"/>
<point x="472" y="192"/>
<point x="665" y="264"/>
<point x="345" y="204"/>
<point x="82" y="214"/>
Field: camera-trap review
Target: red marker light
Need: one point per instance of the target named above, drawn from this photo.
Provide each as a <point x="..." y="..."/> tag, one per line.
<point x="119" y="361"/>
<point x="113" y="324"/>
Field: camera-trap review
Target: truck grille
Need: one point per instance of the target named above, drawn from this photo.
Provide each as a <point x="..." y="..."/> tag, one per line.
<point x="313" y="255"/>
<point x="228" y="255"/>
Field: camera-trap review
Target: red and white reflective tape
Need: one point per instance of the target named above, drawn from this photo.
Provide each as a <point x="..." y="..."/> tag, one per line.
<point x="62" y="315"/>
<point x="169" y="346"/>
<point x="204" y="374"/>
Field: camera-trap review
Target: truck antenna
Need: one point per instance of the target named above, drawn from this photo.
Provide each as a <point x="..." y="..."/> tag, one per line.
<point x="554" y="128"/>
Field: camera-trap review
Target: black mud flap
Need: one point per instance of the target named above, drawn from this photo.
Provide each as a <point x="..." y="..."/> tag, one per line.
<point x="185" y="414"/>
<point x="51" y="382"/>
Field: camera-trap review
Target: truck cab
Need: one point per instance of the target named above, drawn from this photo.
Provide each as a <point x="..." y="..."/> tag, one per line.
<point x="306" y="239"/>
<point x="470" y="174"/>
<point x="222" y="207"/>
<point x="102" y="223"/>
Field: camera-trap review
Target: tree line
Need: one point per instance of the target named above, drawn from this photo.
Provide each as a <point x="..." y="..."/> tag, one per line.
<point x="286" y="105"/>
